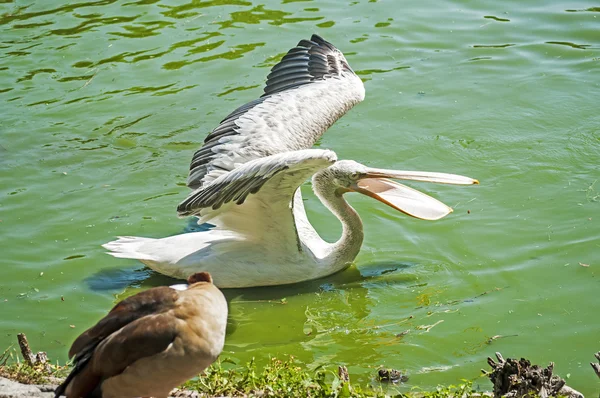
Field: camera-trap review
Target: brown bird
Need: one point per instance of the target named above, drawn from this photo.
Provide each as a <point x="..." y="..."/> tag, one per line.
<point x="150" y="343"/>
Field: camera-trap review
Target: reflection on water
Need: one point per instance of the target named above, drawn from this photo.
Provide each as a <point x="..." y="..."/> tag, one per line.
<point x="105" y="101"/>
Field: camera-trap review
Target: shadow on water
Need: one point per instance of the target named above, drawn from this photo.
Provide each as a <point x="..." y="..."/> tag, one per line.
<point x="135" y="278"/>
<point x="144" y="278"/>
<point x="375" y="269"/>
<point x="111" y="279"/>
<point x="193" y="226"/>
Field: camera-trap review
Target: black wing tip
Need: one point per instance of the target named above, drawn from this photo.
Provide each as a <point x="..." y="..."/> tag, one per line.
<point x="187" y="208"/>
<point x="183" y="211"/>
<point x="304" y="44"/>
<point x="318" y="39"/>
<point x="183" y="208"/>
<point x="315" y="40"/>
<point x="310" y="60"/>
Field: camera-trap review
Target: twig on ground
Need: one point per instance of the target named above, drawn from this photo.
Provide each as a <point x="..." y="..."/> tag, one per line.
<point x="25" y="350"/>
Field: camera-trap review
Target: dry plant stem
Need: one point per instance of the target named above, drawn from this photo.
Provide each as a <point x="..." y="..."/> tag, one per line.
<point x="32" y="360"/>
<point x="42" y="358"/>
<point x="343" y="373"/>
<point x="25" y="350"/>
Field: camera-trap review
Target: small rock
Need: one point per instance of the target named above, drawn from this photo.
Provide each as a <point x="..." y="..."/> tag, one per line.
<point x="12" y="389"/>
<point x="391" y="375"/>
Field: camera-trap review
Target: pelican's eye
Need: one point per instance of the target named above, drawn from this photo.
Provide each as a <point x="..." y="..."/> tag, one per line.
<point x="355" y="175"/>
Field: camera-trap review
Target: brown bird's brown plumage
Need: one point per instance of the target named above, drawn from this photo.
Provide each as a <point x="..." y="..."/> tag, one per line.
<point x="150" y="343"/>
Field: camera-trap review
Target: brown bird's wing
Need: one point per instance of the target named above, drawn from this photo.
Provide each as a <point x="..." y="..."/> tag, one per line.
<point x="142" y="338"/>
<point x="152" y="301"/>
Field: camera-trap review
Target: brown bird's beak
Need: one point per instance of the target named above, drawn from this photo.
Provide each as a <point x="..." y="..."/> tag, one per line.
<point x="376" y="183"/>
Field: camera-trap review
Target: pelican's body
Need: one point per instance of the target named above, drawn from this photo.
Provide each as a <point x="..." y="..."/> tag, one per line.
<point x="246" y="178"/>
<point x="256" y="244"/>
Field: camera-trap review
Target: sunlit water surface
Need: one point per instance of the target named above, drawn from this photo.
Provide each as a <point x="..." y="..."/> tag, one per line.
<point x="104" y="102"/>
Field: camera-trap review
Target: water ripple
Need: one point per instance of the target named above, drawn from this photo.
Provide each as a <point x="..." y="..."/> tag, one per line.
<point x="497" y="18"/>
<point x="568" y="44"/>
<point x="32" y="25"/>
<point x="185" y="11"/>
<point x="140" y="89"/>
<point x="234" y="89"/>
<point x="18" y="15"/>
<point x="146" y="29"/>
<point x="236" y="52"/>
<point x="30" y="75"/>
<point x="591" y="9"/>
<point x="492" y="45"/>
<point x="127" y="125"/>
<point x="91" y="24"/>
<point x="259" y="14"/>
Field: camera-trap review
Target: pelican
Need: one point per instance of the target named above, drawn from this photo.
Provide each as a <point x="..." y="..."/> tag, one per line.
<point x="246" y="178"/>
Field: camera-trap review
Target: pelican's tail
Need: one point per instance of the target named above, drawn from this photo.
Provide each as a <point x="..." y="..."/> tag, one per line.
<point x="130" y="247"/>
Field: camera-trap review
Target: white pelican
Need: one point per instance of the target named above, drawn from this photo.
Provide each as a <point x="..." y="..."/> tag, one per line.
<point x="246" y="178"/>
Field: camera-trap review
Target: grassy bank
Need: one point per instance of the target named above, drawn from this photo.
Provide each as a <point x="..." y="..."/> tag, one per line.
<point x="289" y="377"/>
<point x="279" y="378"/>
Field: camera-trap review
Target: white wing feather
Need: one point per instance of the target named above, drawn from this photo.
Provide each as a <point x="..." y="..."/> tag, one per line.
<point x="255" y="199"/>
<point x="311" y="88"/>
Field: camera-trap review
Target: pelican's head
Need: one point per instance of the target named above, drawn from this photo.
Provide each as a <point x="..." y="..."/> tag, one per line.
<point x="350" y="176"/>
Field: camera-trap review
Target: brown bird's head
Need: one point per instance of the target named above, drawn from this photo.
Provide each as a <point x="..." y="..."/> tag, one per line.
<point x="199" y="277"/>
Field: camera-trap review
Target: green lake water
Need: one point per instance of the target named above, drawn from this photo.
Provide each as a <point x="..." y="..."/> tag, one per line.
<point x="103" y="103"/>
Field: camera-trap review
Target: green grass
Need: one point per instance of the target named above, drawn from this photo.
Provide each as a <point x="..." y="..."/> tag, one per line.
<point x="279" y="378"/>
<point x="11" y="367"/>
<point x="289" y="378"/>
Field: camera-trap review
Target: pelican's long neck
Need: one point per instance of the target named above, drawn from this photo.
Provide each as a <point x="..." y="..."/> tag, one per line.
<point x="341" y="253"/>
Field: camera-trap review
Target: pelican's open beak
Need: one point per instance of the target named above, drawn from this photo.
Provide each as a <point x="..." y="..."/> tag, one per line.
<point x="376" y="184"/>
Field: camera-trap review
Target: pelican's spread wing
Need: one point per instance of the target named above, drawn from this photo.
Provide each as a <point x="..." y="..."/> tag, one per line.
<point x="306" y="92"/>
<point x="280" y="174"/>
<point x="256" y="199"/>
